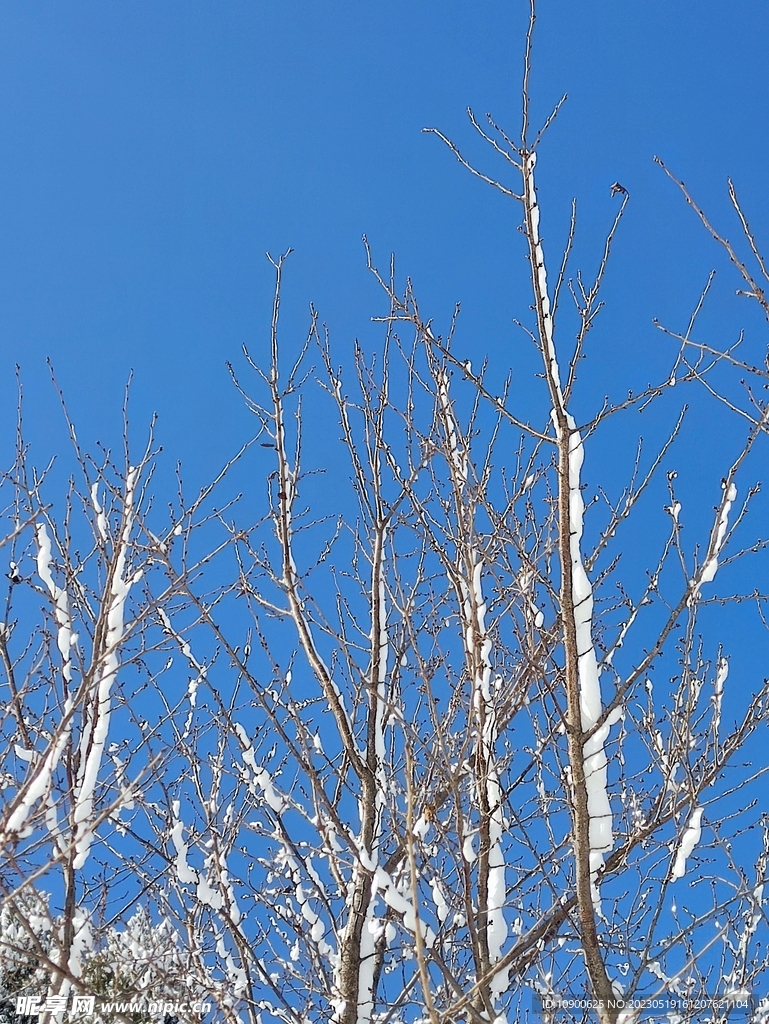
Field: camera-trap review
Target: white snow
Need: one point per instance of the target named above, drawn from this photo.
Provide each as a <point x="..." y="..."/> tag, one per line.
<point x="708" y="571"/>
<point x="317" y="927"/>
<point x="60" y="600"/>
<point x="441" y="906"/>
<point x="422" y="827"/>
<point x="540" y="275"/>
<point x="468" y="850"/>
<point x="41" y="770"/>
<point x="126" y="791"/>
<point x="40" y="782"/>
<point x="601" y="834"/>
<point x="497" y="930"/>
<point x="595" y="762"/>
<point x="199" y="673"/>
<point x="690" y="838"/>
<point x="82" y="941"/>
<point x="236" y="976"/>
<point x="101" y="519"/>
<point x="526" y="584"/>
<point x="723" y="672"/>
<point x="380" y="638"/>
<point x="183" y="871"/>
<point x="718" y="690"/>
<point x="207" y="895"/>
<point x="457" y="455"/>
<point x="478" y="650"/>
<point x="372" y="929"/>
<point x="261" y="777"/>
<point x="384" y="884"/>
<point x="95" y="730"/>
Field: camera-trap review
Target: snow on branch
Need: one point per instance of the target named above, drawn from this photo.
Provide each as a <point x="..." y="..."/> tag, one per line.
<point x="692" y="835"/>
<point x="260" y="777"/>
<point x="106" y="664"/>
<point x="402" y="906"/>
<point x="595" y="761"/>
<point x="40" y="774"/>
<point x="591" y="811"/>
<point x="199" y="671"/>
<point x="539" y="278"/>
<point x="65" y="638"/>
<point x="580" y="599"/>
<point x="708" y="571"/>
<point x="478" y="654"/>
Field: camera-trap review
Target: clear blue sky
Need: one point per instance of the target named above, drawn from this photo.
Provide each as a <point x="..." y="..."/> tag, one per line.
<point x="151" y="152"/>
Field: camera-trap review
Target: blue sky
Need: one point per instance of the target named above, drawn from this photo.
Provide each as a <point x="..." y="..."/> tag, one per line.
<point x="152" y="152"/>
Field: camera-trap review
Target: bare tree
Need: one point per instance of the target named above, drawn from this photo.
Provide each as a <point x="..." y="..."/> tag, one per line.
<point x="448" y="743"/>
